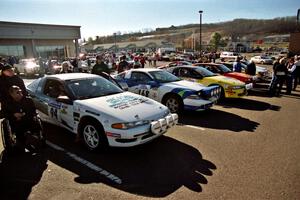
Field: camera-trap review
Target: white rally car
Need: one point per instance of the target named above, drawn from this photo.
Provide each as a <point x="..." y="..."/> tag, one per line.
<point x="99" y="111"/>
<point x="168" y="89"/>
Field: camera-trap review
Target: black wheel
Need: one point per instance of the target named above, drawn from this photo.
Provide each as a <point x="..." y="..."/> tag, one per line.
<point x="93" y="135"/>
<point x="222" y="95"/>
<point x="8" y="138"/>
<point x="174" y="103"/>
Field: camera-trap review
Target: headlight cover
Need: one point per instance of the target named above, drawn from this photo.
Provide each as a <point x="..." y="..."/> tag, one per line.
<point x="193" y="96"/>
<point x="128" y="125"/>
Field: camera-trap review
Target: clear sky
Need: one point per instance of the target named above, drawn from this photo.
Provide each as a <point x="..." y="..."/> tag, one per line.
<point x="104" y="17"/>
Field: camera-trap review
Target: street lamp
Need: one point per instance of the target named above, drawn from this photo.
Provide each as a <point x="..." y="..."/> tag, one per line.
<point x="200" y="12"/>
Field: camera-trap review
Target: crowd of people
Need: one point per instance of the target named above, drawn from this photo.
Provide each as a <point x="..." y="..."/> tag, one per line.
<point x="285" y="70"/>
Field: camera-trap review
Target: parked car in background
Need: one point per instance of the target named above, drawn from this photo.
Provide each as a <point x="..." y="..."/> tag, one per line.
<point x="166" y="88"/>
<point x="98" y="111"/>
<point x="262" y="73"/>
<point x="262" y="60"/>
<point x="27" y="67"/>
<point x="230" y="87"/>
<point x="225" y="71"/>
<point x="176" y="63"/>
<point x="229" y="55"/>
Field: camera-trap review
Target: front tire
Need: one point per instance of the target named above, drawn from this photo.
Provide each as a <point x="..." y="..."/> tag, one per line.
<point x="93" y="135"/>
<point x="174" y="103"/>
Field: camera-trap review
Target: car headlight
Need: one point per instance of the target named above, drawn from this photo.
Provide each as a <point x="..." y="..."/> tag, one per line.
<point x="193" y="96"/>
<point x="128" y="125"/>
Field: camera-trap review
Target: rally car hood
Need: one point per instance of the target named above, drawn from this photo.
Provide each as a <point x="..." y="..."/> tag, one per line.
<point x="225" y="80"/>
<point x="124" y="106"/>
<point x="185" y="84"/>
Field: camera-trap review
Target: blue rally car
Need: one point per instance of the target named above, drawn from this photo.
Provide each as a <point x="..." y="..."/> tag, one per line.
<point x="168" y="89"/>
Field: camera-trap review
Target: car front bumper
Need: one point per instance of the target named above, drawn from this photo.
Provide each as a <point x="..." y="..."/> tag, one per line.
<point x="143" y="134"/>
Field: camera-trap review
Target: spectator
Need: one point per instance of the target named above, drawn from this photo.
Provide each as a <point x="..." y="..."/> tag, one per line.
<point x="21" y="113"/>
<point x="291" y="67"/>
<point x="100" y="66"/>
<point x="297" y="73"/>
<point x="237" y="65"/>
<point x="251" y="68"/>
<point x="279" y="78"/>
<point x="66" y="67"/>
<point x="123" y="65"/>
<point x="136" y="63"/>
<point x="8" y="79"/>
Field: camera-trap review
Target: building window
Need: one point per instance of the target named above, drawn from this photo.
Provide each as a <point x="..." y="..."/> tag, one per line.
<point x="57" y="52"/>
<point x="12" y="50"/>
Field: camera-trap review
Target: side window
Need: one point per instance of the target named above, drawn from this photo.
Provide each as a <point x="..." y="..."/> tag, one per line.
<point x="140" y="77"/>
<point x="184" y="72"/>
<point x="54" y="88"/>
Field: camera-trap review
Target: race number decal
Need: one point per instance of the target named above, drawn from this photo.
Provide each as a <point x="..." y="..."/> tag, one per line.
<point x="144" y="92"/>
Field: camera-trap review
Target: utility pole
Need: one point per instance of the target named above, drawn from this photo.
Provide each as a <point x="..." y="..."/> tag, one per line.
<point x="200" y="12"/>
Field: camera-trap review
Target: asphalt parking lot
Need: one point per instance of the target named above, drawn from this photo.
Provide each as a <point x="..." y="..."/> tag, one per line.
<point x="240" y="149"/>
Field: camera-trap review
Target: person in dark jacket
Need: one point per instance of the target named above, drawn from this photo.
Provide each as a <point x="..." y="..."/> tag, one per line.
<point x="100" y="66"/>
<point x="123" y="65"/>
<point x="21" y="113"/>
<point x="251" y="68"/>
<point x="280" y="72"/>
<point x="8" y="79"/>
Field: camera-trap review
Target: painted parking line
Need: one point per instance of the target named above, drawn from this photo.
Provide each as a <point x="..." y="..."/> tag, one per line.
<point x="195" y="127"/>
<point x="88" y="164"/>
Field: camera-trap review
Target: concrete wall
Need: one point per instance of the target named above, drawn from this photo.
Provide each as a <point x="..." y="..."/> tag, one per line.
<point x="31" y="35"/>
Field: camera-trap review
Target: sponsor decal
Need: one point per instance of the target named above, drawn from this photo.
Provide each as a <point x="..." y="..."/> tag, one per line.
<point x="76" y="116"/>
<point x="182" y="92"/>
<point x="125" y="101"/>
<point x="92" y="112"/>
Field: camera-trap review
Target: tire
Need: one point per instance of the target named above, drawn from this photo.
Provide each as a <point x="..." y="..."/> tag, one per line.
<point x="93" y="135"/>
<point x="174" y="103"/>
<point x="222" y="96"/>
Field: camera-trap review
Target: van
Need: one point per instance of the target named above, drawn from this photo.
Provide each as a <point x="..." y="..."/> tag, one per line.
<point x="229" y="55"/>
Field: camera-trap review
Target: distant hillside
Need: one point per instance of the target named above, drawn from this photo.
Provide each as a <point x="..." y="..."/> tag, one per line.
<point x="252" y="28"/>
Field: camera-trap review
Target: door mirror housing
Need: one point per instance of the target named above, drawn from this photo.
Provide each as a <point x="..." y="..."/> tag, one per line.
<point x="64" y="99"/>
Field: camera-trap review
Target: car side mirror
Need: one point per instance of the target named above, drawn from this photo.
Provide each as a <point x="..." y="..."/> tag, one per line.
<point x="64" y="99"/>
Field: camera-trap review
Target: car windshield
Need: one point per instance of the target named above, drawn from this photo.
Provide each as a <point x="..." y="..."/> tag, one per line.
<point x="224" y="69"/>
<point x="92" y="87"/>
<point x="204" y="72"/>
<point x="163" y="76"/>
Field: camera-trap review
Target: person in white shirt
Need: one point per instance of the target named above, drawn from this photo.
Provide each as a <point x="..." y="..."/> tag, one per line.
<point x="291" y="75"/>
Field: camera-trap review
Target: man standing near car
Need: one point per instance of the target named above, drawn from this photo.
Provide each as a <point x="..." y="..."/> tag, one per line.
<point x="237" y="65"/>
<point x="100" y="66"/>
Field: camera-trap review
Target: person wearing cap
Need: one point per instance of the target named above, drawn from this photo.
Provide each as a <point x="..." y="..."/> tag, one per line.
<point x="100" y="66"/>
<point x="8" y="78"/>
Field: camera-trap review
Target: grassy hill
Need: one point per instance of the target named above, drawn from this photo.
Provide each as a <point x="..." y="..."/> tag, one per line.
<point x="248" y="29"/>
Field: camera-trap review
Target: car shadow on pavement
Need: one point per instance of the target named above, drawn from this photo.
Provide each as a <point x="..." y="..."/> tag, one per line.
<point x="217" y="119"/>
<point x="248" y="104"/>
<point x="19" y="173"/>
<point x="156" y="169"/>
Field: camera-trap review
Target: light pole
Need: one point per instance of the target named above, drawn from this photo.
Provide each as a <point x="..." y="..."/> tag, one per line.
<point x="115" y="37"/>
<point x="200" y="12"/>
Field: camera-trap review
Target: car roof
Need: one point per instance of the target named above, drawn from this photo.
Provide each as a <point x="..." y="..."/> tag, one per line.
<point x="146" y="70"/>
<point x="72" y="76"/>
